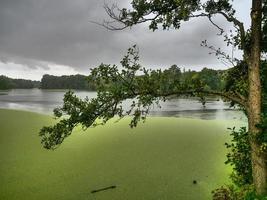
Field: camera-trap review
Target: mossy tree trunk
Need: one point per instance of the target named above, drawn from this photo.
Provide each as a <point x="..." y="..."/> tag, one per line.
<point x="259" y="167"/>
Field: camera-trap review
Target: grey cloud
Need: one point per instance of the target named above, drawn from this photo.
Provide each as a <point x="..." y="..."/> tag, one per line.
<point x="30" y="63"/>
<point x="36" y="32"/>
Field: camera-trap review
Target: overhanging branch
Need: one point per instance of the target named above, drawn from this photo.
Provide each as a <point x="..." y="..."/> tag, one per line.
<point x="235" y="98"/>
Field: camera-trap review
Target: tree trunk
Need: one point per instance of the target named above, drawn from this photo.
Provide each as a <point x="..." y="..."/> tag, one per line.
<point x="254" y="100"/>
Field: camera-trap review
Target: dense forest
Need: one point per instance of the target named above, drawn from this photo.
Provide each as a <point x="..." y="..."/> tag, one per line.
<point x="79" y="82"/>
<point x="9" y="83"/>
<point x="209" y="79"/>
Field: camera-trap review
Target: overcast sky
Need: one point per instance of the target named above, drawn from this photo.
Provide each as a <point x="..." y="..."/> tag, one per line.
<point x="56" y="37"/>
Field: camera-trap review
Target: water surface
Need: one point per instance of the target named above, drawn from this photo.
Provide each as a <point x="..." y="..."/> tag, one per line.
<point x="44" y="101"/>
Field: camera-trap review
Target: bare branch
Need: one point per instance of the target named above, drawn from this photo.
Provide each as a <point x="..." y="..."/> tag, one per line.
<point x="121" y="22"/>
<point x="220" y="54"/>
<point x="209" y="16"/>
<point x="238" y="25"/>
<point x="214" y="24"/>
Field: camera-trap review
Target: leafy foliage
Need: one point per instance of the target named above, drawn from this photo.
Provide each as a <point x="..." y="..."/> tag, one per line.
<point x="168" y="13"/>
<point x="212" y="79"/>
<point x="231" y="192"/>
<point x="113" y="88"/>
<point x="213" y="6"/>
<point x="239" y="157"/>
<point x="237" y="79"/>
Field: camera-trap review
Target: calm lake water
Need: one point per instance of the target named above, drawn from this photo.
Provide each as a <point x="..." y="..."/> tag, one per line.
<point x="44" y="101"/>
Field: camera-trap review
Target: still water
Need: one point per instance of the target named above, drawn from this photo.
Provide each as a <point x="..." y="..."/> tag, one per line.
<point x="44" y="101"/>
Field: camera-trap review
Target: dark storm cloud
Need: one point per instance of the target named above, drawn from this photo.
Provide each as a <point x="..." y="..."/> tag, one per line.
<point x="37" y="32"/>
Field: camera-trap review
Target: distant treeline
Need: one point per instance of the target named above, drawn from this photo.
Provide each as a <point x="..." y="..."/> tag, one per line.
<point x="9" y="83"/>
<point x="209" y="78"/>
<point x="79" y="82"/>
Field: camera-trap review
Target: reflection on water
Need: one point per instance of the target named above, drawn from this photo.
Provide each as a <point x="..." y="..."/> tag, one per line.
<point x="44" y="101"/>
<point x="35" y="100"/>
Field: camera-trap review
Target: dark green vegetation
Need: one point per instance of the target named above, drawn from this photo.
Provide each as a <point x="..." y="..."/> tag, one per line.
<point x="239" y="157"/>
<point x="158" y="160"/>
<point x="79" y="82"/>
<point x="9" y="83"/>
<point x="209" y="79"/>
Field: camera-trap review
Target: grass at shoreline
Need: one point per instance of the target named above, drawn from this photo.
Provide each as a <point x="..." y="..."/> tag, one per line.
<point x="158" y="160"/>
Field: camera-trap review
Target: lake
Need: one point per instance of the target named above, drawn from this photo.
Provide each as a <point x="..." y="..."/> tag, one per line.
<point x="44" y="101"/>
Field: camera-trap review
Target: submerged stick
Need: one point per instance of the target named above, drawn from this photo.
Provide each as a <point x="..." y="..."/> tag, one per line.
<point x="102" y="189"/>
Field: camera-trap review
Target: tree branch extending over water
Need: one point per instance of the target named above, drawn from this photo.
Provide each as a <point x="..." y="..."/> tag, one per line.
<point x="115" y="86"/>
